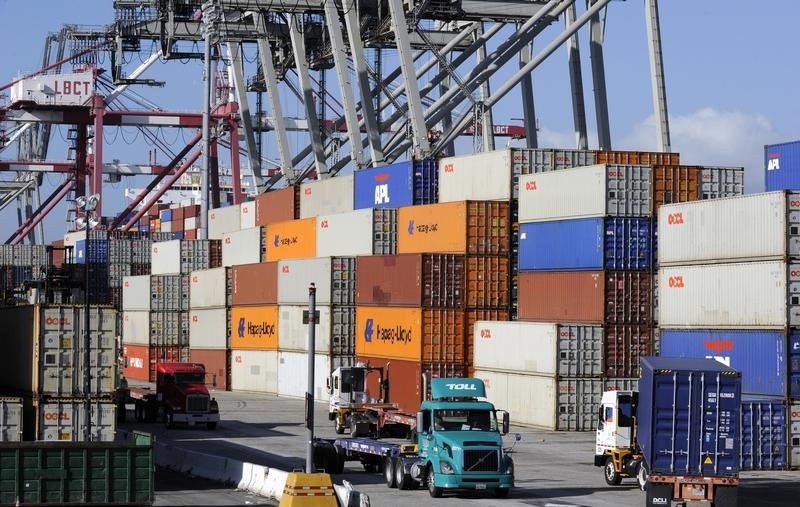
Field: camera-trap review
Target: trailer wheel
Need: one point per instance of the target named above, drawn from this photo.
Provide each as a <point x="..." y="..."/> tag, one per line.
<point x="435" y="491"/>
<point x="339" y="429"/>
<point x="725" y="496"/>
<point x="389" y="472"/>
<point x="212" y="425"/>
<point x="612" y="477"/>
<point x="403" y="480"/>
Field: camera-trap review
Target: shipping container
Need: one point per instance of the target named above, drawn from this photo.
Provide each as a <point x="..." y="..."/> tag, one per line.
<point x="293" y="333"/>
<point x="740" y="295"/>
<point x="277" y="206"/>
<point x="216" y="363"/>
<point x="248" y="217"/>
<point x="637" y="157"/>
<point x="243" y="247"/>
<point x="473" y="315"/>
<point x="222" y="220"/>
<point x="763" y="434"/>
<point x="169" y="292"/>
<point x="692" y="427"/>
<point x="254" y="370"/>
<point x="624" y="346"/>
<point x="10" y="419"/>
<point x="64" y="419"/>
<point x="586" y="192"/>
<point x="343" y="333"/>
<point x="116" y="273"/>
<point x="759" y="354"/>
<point x="136" y="362"/>
<point x="170" y="354"/>
<point x="752" y="227"/>
<point x="586" y="297"/>
<point x="208" y="328"/>
<point x="165" y="257"/>
<point x="360" y="232"/>
<point x="254" y="327"/>
<point x="794" y="435"/>
<point x="471" y="227"/>
<point x="136" y="293"/>
<point x="333" y="277"/>
<point x="295" y="239"/>
<point x="389" y="280"/>
<point x="210" y="288"/>
<point x="169" y="329"/>
<point x="255" y="284"/>
<point x="325" y="197"/>
<point x="586" y="243"/>
<point x="395" y="185"/>
<point x="718" y="182"/>
<point x="674" y="184"/>
<point x="782" y="166"/>
<point x="136" y="328"/>
<point x="293" y="375"/>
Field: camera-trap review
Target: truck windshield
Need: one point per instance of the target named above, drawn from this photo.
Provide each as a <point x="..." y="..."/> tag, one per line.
<point x="464" y="420"/>
<point x="354" y="377"/>
<point x="189" y="378"/>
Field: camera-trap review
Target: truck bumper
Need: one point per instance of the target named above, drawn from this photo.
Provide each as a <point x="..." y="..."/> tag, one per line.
<point x="474" y="481"/>
<point x="184" y="418"/>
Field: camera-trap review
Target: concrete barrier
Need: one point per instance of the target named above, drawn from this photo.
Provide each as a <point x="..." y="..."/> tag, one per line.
<point x="275" y="484"/>
<point x="247" y="476"/>
<point x="259" y="479"/>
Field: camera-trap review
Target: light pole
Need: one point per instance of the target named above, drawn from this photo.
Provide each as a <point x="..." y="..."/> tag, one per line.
<point x="87" y="222"/>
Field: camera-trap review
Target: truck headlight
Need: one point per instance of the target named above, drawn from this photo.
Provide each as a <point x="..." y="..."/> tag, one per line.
<point x="445" y="467"/>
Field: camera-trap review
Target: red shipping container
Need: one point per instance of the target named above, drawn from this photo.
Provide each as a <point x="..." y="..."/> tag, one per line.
<point x="58" y="253"/>
<point x="177" y="226"/>
<point x="278" y="206"/>
<point x="191" y="211"/>
<point x="255" y="284"/>
<point x="217" y="364"/>
<point x="136" y="361"/>
<point x="170" y="354"/>
<point x="624" y="345"/>
<point x="190" y="234"/>
<point x="177" y="215"/>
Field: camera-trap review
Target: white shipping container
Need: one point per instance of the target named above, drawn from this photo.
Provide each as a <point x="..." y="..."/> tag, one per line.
<point x="222" y="220"/>
<point x="136" y="328"/>
<point x="479" y="177"/>
<point x="751" y="227"/>
<point x="165" y="257"/>
<point x="208" y="288"/>
<point x="293" y="375"/>
<point x="254" y="370"/>
<point x="189" y="223"/>
<point x="166" y="226"/>
<point x="64" y="419"/>
<point x="293" y="334"/>
<point x="325" y="197"/>
<point x="294" y="277"/>
<point x="208" y="329"/>
<point x="74" y="89"/>
<point x="583" y="192"/>
<point x="242" y="247"/>
<point x="739" y="295"/>
<point x="136" y="292"/>
<point x="10" y="419"/>
<point x="71" y="238"/>
<point x="248" y="214"/>
<point x="794" y="435"/>
<point x="360" y="232"/>
<point x="541" y="348"/>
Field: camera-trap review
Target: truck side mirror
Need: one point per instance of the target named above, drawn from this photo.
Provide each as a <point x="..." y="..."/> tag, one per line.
<point x="506" y="423"/>
<point x="421" y="422"/>
<point x="328" y="384"/>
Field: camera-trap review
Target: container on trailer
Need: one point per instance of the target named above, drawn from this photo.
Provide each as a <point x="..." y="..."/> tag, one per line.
<point x="324" y="197"/>
<point x="360" y="232"/>
<point x="759" y="354"/>
<point x="675" y="183"/>
<point x="751" y="227"/>
<point x="293" y="374"/>
<point x="586" y="243"/>
<point x="739" y="295"/>
<point x="254" y="327"/>
<point x="395" y="185"/>
<point x="245" y="246"/>
<point x="690" y="425"/>
<point x="470" y="227"/>
<point x="293" y="333"/>
<point x="585" y="192"/>
<point x="136" y="327"/>
<point x="222" y="220"/>
<point x="255" y="284"/>
<point x="254" y="370"/>
<point x="586" y="297"/>
<point x="764" y="434"/>
<point x="718" y="182"/>
<point x="169" y="329"/>
<point x="277" y="205"/>
<point x="782" y="166"/>
<point x="64" y="419"/>
<point x="216" y="363"/>
<point x="248" y="217"/>
<point x="208" y="328"/>
<point x="10" y="419"/>
<point x="295" y="239"/>
<point x="333" y="277"/>
<point x="209" y="288"/>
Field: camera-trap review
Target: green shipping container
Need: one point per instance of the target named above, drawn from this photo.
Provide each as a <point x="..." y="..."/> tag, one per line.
<point x="98" y="473"/>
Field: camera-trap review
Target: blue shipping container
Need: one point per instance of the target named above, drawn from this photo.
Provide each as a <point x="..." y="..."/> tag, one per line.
<point x="586" y="243"/>
<point x="689" y="416"/>
<point x="759" y="354"/>
<point x="395" y="185"/>
<point x="165" y="215"/>
<point x="782" y="166"/>
<point x="763" y="439"/>
<point x="794" y="365"/>
<point x="177" y="235"/>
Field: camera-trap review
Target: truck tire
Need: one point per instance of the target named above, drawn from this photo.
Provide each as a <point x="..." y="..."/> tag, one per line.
<point x="403" y="480"/>
<point x="501" y="492"/>
<point x="658" y="495"/>
<point x="388" y="472"/>
<point x="339" y="428"/>
<point x="610" y="474"/>
<point x="212" y="425"/>
<point x="433" y="490"/>
<point x="726" y="496"/>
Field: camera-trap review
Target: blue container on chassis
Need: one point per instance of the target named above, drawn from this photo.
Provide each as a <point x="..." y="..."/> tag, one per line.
<point x="586" y="244"/>
<point x="782" y="166"/>
<point x="395" y="185"/>
<point x="763" y="440"/>
<point x="760" y="354"/>
<point x="689" y="416"/>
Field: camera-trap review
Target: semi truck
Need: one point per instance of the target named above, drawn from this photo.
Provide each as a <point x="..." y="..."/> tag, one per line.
<point x="678" y="435"/>
<point x="459" y="445"/>
<point x="181" y="397"/>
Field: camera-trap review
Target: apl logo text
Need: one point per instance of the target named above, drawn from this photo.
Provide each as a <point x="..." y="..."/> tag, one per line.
<point x="773" y="162"/>
<point x="382" y="189"/>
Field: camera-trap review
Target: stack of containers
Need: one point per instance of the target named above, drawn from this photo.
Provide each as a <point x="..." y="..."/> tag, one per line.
<point x="415" y="308"/>
<point x="45" y="365"/>
<point x="22" y="263"/>
<point x="331" y="195"/>
<point x="209" y="318"/>
<point x="94" y="254"/>
<point x="729" y="274"/>
<point x="396" y="185"/>
<point x="222" y="220"/>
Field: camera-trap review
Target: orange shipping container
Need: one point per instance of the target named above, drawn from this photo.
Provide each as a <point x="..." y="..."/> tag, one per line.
<point x="471" y="227"/>
<point x="278" y="206"/>
<point x="675" y="183"/>
<point x="136" y="364"/>
<point x="293" y="239"/>
<point x="638" y="158"/>
<point x="254" y="327"/>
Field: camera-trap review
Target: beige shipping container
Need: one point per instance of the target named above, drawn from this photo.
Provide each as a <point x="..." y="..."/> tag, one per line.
<point x="293" y="375"/>
<point x="479" y="177"/>
<point x="10" y="419"/>
<point x="222" y="220"/>
<point x="325" y="197"/>
<point x="208" y="288"/>
<point x="254" y="370"/>
<point x="136" y="293"/>
<point x="248" y="214"/>
<point x="64" y="419"/>
<point x="360" y="232"/>
<point x="136" y="328"/>
<point x="242" y="247"/>
<point x="208" y="328"/>
<point x="293" y="334"/>
<point x="165" y="257"/>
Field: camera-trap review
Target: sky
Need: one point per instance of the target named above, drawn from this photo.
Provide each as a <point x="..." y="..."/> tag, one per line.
<point x="731" y="86"/>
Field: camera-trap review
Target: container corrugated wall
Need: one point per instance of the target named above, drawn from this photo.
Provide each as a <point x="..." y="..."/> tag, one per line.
<point x="763" y="437"/>
<point x="295" y="239"/>
<point x="293" y="375"/>
<point x="323" y="197"/>
<point x="255" y="284"/>
<point x="210" y="288"/>
<point x="254" y="328"/>
<point x="293" y="333"/>
<point x="11" y="419"/>
<point x="217" y="364"/>
<point x="254" y="370"/>
<point x="334" y="278"/>
<point x="222" y="220"/>
<point x="208" y="328"/>
<point x="277" y="205"/>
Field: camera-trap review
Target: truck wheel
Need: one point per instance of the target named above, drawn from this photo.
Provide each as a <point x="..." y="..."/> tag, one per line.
<point x="501" y="492"/>
<point x="658" y="495"/>
<point x="168" y="422"/>
<point x="388" y="472"/>
<point x="725" y="496"/>
<point x="435" y="491"/>
<point x="339" y="429"/>
<point x="612" y="477"/>
<point x="403" y="480"/>
<point x="212" y="425"/>
<point x="641" y="476"/>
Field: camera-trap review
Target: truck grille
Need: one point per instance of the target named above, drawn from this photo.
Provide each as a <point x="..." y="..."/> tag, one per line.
<point x="480" y="461"/>
<point x="197" y="403"/>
